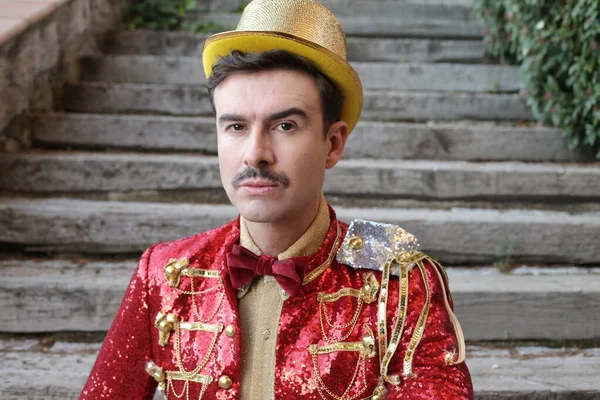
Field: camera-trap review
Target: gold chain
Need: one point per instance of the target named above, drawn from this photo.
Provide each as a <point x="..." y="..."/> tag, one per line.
<point x="322" y="387"/>
<point x="217" y="308"/>
<point x="192" y="292"/>
<point x="202" y="391"/>
<point x="351" y="324"/>
<point x="359" y="306"/>
<point x="185" y="391"/>
<point x="204" y="359"/>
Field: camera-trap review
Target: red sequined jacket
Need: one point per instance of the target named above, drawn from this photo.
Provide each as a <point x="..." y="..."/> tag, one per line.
<point x="178" y="329"/>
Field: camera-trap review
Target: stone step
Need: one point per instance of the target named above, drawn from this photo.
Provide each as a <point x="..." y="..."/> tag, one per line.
<point x="189" y="44"/>
<point x="374" y="75"/>
<point x="63" y="172"/>
<point x="455" y="236"/>
<point x="516" y="373"/>
<point x="458" y="10"/>
<point x="123" y="98"/>
<point x="81" y="295"/>
<point x="388" y="25"/>
<point x="433" y="9"/>
<point x="466" y="140"/>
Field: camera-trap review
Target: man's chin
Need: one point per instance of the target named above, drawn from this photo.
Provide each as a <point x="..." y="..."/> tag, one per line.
<point x="258" y="212"/>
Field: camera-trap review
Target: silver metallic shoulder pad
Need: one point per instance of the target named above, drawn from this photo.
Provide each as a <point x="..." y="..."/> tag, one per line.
<point x="368" y="244"/>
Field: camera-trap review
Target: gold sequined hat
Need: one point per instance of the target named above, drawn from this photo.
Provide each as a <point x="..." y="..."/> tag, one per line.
<point x="302" y="27"/>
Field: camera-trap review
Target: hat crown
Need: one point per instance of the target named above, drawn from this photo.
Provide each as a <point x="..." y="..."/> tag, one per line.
<point x="305" y="19"/>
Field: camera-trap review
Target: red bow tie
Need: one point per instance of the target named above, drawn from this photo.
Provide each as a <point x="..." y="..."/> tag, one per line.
<point x="245" y="265"/>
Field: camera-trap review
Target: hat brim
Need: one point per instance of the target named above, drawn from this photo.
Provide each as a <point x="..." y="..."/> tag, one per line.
<point x="330" y="64"/>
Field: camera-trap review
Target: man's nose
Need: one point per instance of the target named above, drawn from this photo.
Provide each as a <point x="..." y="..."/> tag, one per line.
<point x="259" y="148"/>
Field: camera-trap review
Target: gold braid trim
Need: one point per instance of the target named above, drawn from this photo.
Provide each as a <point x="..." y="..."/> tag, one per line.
<point x="405" y="261"/>
<point x="460" y="338"/>
<point x="386" y="356"/>
<point x="388" y="346"/>
<point x="421" y="322"/>
<point x="312" y="275"/>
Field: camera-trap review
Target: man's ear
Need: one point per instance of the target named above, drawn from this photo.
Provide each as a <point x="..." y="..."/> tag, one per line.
<point x="337" y="135"/>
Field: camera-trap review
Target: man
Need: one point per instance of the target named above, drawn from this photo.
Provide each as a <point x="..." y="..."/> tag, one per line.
<point x="285" y="302"/>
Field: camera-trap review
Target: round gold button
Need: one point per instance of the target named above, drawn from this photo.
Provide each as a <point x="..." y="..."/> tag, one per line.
<point x="225" y="382"/>
<point x="405" y="256"/>
<point x="230" y="331"/>
<point x="355" y="243"/>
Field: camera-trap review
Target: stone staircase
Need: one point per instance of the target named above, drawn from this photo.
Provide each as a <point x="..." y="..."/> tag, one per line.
<point x="444" y="149"/>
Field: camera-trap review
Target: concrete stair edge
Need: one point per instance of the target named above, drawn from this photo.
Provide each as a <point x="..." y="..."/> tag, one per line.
<point x="83" y="171"/>
<point x="463" y="140"/>
<point x="374" y="75"/>
<point x="83" y="296"/>
<point x="496" y="374"/>
<point x="126" y="98"/>
<point x="180" y="43"/>
<point x="453" y="236"/>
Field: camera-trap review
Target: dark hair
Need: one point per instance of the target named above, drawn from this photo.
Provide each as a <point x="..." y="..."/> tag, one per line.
<point x="237" y="61"/>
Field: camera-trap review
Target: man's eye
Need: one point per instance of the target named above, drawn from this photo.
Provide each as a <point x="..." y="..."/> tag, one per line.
<point x="286" y="126"/>
<point x="235" y="127"/>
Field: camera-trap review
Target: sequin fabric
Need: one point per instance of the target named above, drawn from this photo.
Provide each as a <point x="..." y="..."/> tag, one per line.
<point x="337" y="372"/>
<point x="133" y="339"/>
<point x="305" y="19"/>
<point x="368" y="244"/>
<point x="296" y="375"/>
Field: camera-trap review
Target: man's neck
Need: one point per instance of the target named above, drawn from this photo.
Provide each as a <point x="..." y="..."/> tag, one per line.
<point x="274" y="238"/>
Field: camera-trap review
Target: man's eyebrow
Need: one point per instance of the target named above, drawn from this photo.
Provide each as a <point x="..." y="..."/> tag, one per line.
<point x="286" y="113"/>
<point x="231" y="117"/>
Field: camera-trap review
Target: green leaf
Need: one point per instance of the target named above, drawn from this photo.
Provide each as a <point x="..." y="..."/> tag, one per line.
<point x="553" y="40"/>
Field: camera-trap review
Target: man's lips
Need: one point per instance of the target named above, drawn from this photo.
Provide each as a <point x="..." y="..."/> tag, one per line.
<point x="256" y="183"/>
<point x="256" y="187"/>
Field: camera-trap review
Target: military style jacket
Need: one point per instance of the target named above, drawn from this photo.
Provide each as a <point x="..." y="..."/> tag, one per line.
<point x="373" y="320"/>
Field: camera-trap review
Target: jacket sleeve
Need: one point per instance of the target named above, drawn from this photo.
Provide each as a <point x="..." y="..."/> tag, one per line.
<point x="119" y="371"/>
<point x="430" y="356"/>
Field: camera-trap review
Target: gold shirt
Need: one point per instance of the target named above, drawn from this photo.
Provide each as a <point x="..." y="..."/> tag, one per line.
<point x="260" y="308"/>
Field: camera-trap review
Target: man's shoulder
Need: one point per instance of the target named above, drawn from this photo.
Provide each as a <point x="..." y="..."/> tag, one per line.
<point x="371" y="244"/>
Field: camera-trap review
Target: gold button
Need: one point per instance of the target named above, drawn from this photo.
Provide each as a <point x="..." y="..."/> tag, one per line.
<point x="225" y="382"/>
<point x="355" y="243"/>
<point x="405" y="256"/>
<point x="230" y="331"/>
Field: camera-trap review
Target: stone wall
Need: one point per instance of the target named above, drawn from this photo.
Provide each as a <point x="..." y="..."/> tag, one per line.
<point x="43" y="53"/>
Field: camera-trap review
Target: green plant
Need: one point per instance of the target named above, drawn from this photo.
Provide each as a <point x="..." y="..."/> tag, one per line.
<point x="504" y="263"/>
<point x="161" y="15"/>
<point x="557" y="44"/>
<point x="204" y="27"/>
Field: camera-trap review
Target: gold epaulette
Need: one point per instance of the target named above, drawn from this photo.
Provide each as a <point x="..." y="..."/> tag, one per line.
<point x="394" y="252"/>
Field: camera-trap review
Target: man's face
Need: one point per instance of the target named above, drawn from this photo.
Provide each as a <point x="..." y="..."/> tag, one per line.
<point x="273" y="151"/>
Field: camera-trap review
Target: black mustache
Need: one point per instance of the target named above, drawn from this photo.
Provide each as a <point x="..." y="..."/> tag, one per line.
<point x="251" y="172"/>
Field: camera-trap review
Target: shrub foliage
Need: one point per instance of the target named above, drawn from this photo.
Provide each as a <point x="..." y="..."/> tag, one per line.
<point x="557" y="43"/>
<point x="166" y="15"/>
<point x="159" y="15"/>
